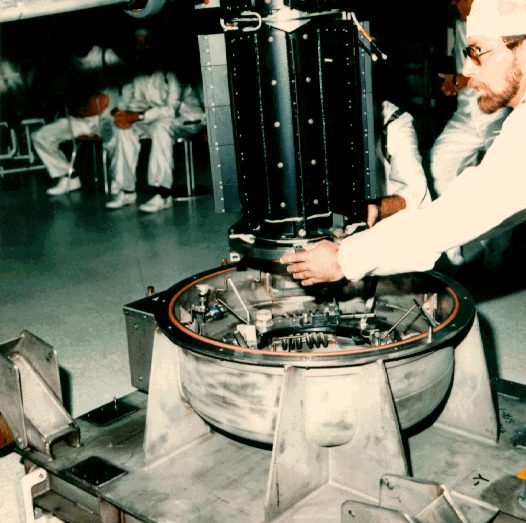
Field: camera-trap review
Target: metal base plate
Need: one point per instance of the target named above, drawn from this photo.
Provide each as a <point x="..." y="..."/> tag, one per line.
<point x="94" y="471"/>
<point x="223" y="480"/>
<point x="109" y="413"/>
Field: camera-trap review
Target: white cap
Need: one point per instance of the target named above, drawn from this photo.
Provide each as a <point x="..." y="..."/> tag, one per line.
<point x="497" y="18"/>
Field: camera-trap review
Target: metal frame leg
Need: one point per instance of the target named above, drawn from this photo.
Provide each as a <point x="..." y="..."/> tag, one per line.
<point x="105" y="171"/>
<point x="190" y="183"/>
<point x="191" y="192"/>
<point x="470" y="410"/>
<point x="171" y="424"/>
<point x="299" y="466"/>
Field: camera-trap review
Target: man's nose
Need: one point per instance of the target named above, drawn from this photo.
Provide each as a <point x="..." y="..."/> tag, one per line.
<point x="468" y="69"/>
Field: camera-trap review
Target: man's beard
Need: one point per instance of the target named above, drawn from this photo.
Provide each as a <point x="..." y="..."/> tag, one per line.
<point x="490" y="101"/>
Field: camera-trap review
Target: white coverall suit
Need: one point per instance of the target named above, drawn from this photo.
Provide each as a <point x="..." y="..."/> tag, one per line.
<point x="469" y="131"/>
<point x="47" y="139"/>
<point x="403" y="172"/>
<point x="166" y="107"/>
<point x="485" y="200"/>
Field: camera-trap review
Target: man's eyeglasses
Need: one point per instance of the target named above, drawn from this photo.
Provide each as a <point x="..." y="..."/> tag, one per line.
<point x="475" y="54"/>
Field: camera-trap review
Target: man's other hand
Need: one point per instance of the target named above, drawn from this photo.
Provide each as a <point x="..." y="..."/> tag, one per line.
<point x="448" y="86"/>
<point x="388" y="206"/>
<point x="318" y="263"/>
<point x="125" y="119"/>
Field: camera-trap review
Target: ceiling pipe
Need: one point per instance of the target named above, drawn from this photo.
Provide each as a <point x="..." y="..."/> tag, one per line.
<point x="11" y="10"/>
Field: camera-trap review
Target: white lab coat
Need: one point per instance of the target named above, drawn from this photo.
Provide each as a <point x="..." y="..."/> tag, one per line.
<point x="482" y="198"/>
<point x="164" y="103"/>
<point x="469" y="131"/>
<point x="402" y="174"/>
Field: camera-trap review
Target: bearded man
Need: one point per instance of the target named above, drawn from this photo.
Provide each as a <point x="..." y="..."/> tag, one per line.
<point x="484" y="200"/>
<point x="467" y="135"/>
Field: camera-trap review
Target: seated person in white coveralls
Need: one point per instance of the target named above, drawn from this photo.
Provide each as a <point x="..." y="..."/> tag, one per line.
<point x="401" y="181"/>
<point x="48" y="138"/>
<point x="156" y="107"/>
<point x="159" y="107"/>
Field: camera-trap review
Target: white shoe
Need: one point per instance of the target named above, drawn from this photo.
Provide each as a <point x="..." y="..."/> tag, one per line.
<point x="123" y="198"/>
<point x="157" y="203"/>
<point x="65" y="185"/>
<point x="455" y="256"/>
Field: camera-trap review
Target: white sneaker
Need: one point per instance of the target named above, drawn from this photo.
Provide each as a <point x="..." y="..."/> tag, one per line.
<point x="455" y="256"/>
<point x="65" y="185"/>
<point x="123" y="198"/>
<point x="157" y="203"/>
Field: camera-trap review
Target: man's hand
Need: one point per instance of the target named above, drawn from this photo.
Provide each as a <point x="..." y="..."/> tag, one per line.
<point x="448" y="87"/>
<point x="125" y="119"/>
<point x="318" y="263"/>
<point x="388" y="206"/>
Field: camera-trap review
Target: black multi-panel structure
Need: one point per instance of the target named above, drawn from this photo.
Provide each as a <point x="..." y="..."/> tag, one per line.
<point x="302" y="120"/>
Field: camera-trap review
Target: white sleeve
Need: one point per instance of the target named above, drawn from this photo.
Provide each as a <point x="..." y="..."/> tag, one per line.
<point x="478" y="200"/>
<point x="406" y="176"/>
<point x="111" y="58"/>
<point x="190" y="108"/>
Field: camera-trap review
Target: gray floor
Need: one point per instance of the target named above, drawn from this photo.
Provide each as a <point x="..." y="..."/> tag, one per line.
<point x="68" y="266"/>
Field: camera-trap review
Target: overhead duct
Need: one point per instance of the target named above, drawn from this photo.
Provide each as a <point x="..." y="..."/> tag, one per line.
<point x="11" y="10"/>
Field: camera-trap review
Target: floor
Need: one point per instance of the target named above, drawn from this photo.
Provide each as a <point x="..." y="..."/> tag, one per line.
<point x="67" y="267"/>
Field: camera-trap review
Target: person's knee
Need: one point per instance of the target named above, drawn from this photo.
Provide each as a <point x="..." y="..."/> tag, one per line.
<point x="37" y="137"/>
<point x="49" y="137"/>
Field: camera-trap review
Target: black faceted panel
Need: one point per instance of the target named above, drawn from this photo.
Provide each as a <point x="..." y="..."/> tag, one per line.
<point x="298" y="105"/>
